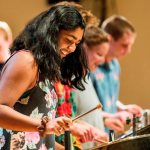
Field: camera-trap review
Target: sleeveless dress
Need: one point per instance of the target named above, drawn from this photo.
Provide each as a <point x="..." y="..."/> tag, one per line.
<point x="40" y="101"/>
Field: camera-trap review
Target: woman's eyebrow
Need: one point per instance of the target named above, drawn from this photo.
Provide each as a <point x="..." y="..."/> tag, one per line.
<point x="75" y="38"/>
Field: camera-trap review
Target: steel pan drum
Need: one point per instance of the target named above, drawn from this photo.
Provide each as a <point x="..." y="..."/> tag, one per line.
<point x="142" y="131"/>
<point x="145" y="130"/>
<point x="141" y="142"/>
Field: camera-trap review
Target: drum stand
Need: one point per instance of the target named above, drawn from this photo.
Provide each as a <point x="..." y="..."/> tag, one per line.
<point x="68" y="140"/>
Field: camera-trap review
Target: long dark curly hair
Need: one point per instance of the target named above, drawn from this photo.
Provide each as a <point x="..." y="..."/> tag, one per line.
<point x="40" y="36"/>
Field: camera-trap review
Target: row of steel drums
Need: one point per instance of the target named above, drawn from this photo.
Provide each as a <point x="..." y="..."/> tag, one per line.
<point x="141" y="141"/>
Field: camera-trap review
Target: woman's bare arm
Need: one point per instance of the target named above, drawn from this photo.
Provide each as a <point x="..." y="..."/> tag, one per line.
<point x="18" y="76"/>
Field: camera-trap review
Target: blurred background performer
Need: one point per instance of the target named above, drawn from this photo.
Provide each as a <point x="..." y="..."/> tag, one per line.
<point x="5" y="42"/>
<point x="106" y="77"/>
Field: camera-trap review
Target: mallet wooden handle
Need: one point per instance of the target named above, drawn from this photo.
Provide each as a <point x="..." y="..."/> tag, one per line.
<point x="97" y="107"/>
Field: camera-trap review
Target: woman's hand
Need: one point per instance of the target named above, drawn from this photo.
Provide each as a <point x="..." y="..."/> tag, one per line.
<point x="87" y="133"/>
<point x="134" y="109"/>
<point x="123" y="116"/>
<point x="82" y="131"/>
<point x="115" y="124"/>
<point x="58" y="125"/>
<point x="99" y="136"/>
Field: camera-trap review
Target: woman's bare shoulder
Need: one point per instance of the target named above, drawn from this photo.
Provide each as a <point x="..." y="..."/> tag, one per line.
<point x="20" y="71"/>
<point x="22" y="60"/>
<point x="23" y="57"/>
<point x="21" y="65"/>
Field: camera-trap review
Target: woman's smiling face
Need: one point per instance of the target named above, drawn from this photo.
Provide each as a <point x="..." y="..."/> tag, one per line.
<point x="96" y="55"/>
<point x="68" y="40"/>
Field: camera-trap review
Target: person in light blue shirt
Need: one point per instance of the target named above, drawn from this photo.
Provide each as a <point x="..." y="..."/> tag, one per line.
<point x="107" y="77"/>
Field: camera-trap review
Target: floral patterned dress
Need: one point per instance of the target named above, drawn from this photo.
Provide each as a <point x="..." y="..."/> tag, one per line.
<point x="38" y="102"/>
